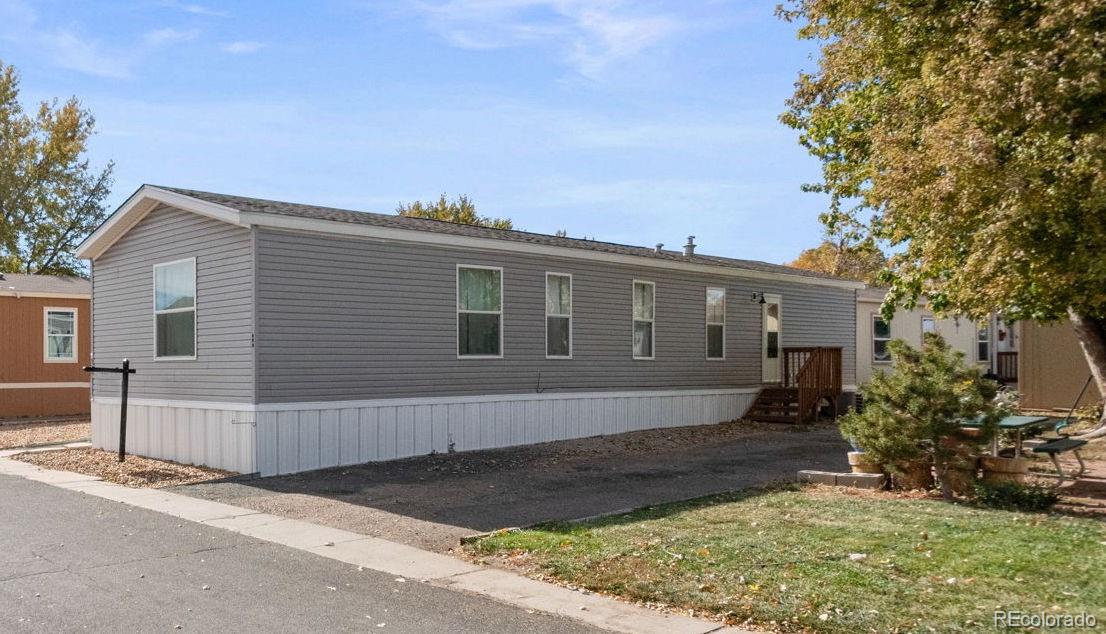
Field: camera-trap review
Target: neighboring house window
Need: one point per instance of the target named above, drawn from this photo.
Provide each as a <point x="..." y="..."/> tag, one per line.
<point x="881" y="336"/>
<point x="60" y="328"/>
<point x="558" y="315"/>
<point x="716" y="323"/>
<point x="479" y="311"/>
<point x="644" y="337"/>
<point x="175" y="309"/>
<point x="983" y="343"/>
<point x="929" y="325"/>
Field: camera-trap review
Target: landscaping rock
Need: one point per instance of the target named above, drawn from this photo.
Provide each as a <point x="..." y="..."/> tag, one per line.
<point x="818" y="477"/>
<point x="855" y="480"/>
<point x="861" y="480"/>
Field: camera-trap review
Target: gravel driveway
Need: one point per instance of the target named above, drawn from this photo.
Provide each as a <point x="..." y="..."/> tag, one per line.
<point x="431" y="502"/>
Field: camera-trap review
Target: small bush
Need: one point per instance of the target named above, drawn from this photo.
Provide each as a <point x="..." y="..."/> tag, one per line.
<point x="1015" y="496"/>
<point x="910" y="412"/>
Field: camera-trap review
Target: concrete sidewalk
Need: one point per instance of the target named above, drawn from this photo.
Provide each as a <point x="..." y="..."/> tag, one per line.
<point x="404" y="562"/>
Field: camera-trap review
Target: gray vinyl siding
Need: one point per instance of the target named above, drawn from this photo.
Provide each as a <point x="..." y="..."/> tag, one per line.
<point x="123" y="324"/>
<point x="346" y="319"/>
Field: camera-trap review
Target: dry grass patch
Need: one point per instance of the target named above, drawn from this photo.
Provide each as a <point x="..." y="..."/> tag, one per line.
<point x="15" y="435"/>
<point x="136" y="471"/>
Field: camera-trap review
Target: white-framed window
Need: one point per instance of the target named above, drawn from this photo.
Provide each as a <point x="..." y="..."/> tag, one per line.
<point x="59" y="330"/>
<point x="558" y="316"/>
<point x="644" y="317"/>
<point x="479" y="311"/>
<point x="716" y="323"/>
<point x="983" y="343"/>
<point x="175" y="309"/>
<point x="881" y="336"/>
<point x="929" y="324"/>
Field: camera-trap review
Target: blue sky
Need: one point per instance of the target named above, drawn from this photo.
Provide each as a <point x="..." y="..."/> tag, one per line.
<point x="634" y="122"/>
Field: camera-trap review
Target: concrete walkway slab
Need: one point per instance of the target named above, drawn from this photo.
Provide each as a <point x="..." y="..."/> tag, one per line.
<point x="242" y="523"/>
<point x="595" y="609"/>
<point x="298" y="534"/>
<point x="188" y="509"/>
<point x="396" y="559"/>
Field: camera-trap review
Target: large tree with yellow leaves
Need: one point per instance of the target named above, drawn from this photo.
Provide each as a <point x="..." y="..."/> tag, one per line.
<point x="50" y="196"/>
<point x="970" y="135"/>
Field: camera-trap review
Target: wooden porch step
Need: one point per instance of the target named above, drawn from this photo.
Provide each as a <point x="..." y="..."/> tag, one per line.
<point x="768" y="408"/>
<point x="764" y="418"/>
<point x="775" y="404"/>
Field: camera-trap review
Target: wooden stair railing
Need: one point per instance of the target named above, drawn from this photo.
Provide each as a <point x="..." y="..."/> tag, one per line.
<point x="819" y="377"/>
<point x="810" y="374"/>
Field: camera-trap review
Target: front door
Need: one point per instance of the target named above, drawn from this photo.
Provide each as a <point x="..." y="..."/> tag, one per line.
<point x="772" y="329"/>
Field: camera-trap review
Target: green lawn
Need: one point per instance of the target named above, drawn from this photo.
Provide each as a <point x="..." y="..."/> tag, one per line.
<point x="821" y="559"/>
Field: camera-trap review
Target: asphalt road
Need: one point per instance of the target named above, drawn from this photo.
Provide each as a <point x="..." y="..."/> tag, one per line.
<point x="70" y="561"/>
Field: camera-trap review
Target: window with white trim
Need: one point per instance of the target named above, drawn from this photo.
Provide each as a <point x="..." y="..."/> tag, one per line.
<point x="558" y="316"/>
<point x="479" y="311"/>
<point x="716" y="323"/>
<point x="881" y="336"/>
<point x="929" y="324"/>
<point x="175" y="309"/>
<point x="60" y="334"/>
<point x="644" y="313"/>
<point x="983" y="343"/>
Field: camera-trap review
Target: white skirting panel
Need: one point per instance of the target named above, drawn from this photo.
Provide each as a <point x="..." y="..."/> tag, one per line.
<point x="216" y="435"/>
<point x="294" y="437"/>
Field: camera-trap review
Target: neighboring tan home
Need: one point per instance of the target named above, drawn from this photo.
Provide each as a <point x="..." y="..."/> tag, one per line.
<point x="274" y="337"/>
<point x="1052" y="369"/>
<point x="44" y="343"/>
<point x="873" y="333"/>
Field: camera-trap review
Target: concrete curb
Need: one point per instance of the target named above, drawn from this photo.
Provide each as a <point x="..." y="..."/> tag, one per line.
<point x="381" y="555"/>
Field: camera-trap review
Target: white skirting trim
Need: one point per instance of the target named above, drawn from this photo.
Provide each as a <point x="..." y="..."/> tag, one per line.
<point x="212" y="437"/>
<point x="159" y="402"/>
<point x="278" y="438"/>
<point x="333" y="434"/>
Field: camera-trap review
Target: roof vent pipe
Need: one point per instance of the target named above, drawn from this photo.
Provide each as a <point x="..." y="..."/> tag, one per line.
<point x="660" y="245"/>
<point x="689" y="248"/>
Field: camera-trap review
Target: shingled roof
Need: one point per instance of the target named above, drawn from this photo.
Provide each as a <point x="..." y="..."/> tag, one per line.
<point x="258" y="205"/>
<point x="43" y="285"/>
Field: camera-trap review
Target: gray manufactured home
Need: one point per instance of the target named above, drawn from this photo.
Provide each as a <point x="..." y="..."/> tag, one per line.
<point x="273" y="337"/>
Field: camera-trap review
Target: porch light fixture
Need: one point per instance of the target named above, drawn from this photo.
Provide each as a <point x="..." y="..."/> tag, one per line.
<point x="758" y="298"/>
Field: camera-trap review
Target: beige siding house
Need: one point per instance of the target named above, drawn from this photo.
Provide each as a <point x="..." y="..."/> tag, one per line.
<point x="873" y="334"/>
<point x="1052" y="370"/>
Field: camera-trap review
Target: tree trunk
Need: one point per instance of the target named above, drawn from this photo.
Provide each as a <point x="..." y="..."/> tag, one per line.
<point x="1091" y="332"/>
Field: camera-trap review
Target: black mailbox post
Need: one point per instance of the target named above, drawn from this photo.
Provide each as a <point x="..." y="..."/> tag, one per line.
<point x="126" y="371"/>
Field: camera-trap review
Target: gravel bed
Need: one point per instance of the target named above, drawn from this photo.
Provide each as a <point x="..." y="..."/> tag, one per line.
<point x="30" y="434"/>
<point x="136" y="471"/>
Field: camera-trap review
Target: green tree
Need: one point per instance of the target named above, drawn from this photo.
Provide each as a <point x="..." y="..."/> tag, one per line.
<point x="861" y="262"/>
<point x="461" y="211"/>
<point x="970" y="137"/>
<point x="909" y="412"/>
<point x="50" y="197"/>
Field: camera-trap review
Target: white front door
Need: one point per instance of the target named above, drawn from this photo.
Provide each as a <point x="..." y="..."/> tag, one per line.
<point x="772" y="335"/>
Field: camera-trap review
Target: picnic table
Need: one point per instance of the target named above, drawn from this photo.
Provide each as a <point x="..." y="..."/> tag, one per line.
<point x="1016" y="423"/>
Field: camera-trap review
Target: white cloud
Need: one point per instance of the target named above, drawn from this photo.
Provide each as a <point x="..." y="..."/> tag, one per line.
<point x="242" y="47"/>
<point x="592" y="36"/>
<point x="197" y="9"/>
<point x="162" y="37"/>
<point x="66" y="47"/>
